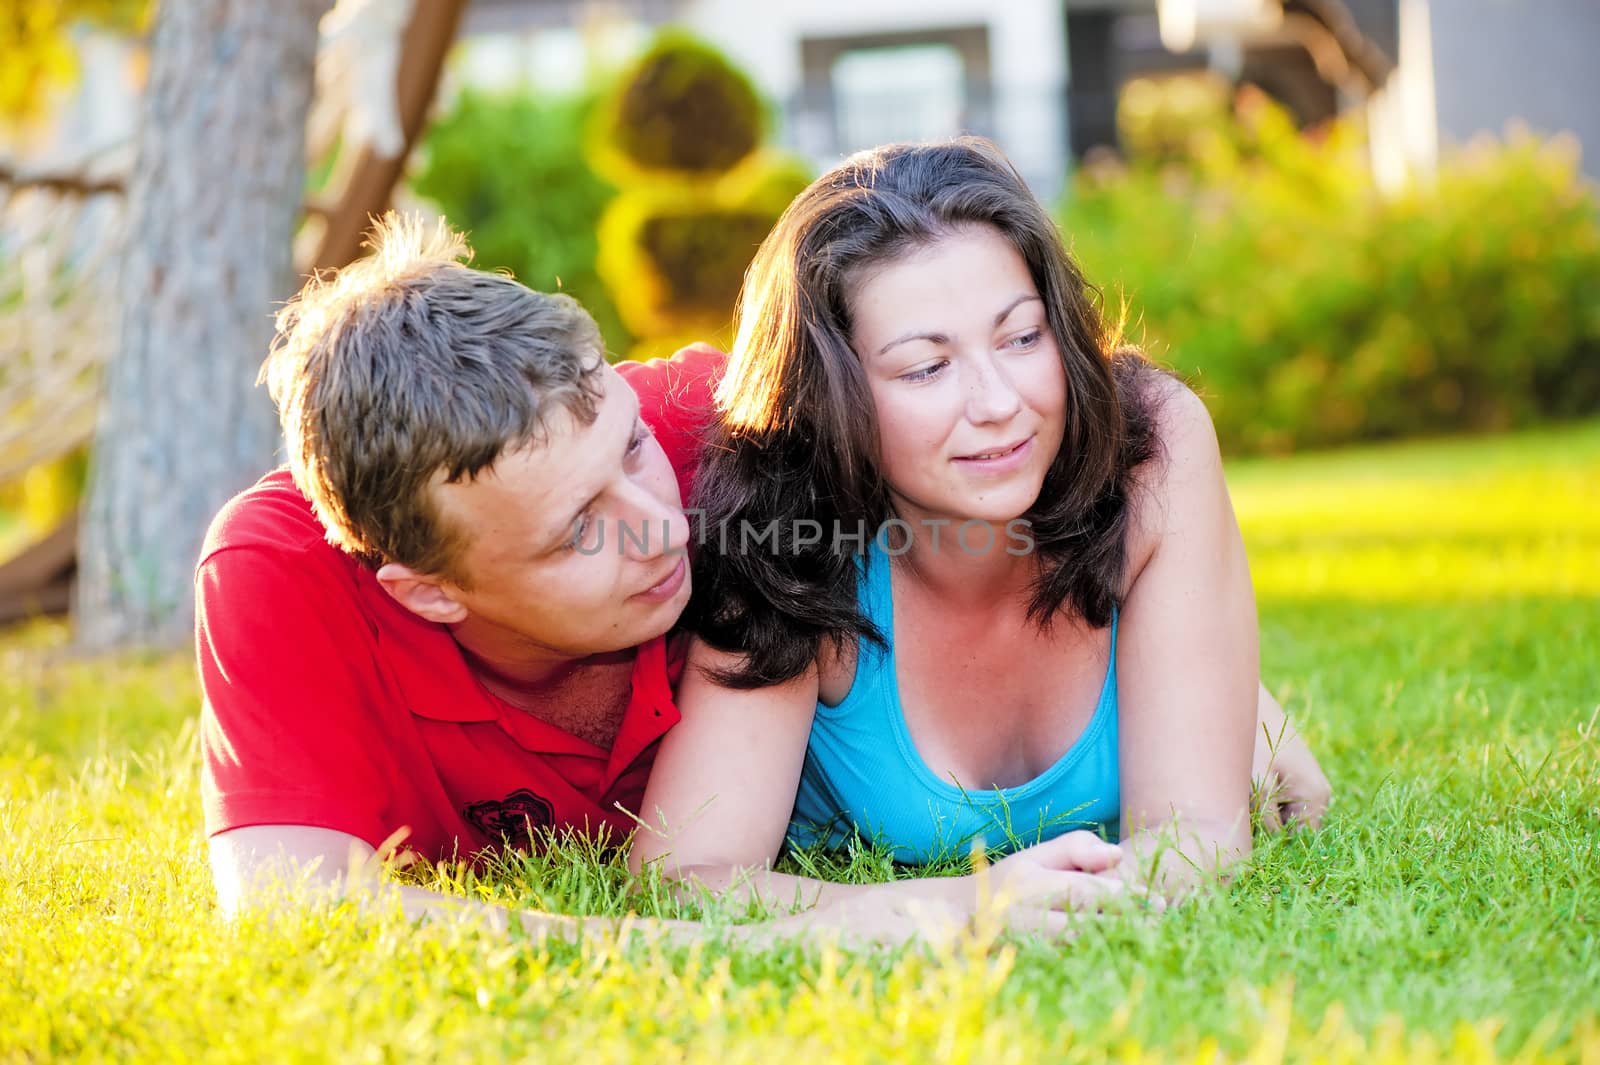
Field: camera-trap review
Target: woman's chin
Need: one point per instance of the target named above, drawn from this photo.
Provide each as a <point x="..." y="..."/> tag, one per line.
<point x="1001" y="508"/>
<point x="996" y="516"/>
<point x="996" y="509"/>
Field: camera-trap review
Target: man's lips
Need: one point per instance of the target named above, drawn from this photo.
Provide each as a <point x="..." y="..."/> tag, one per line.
<point x="668" y="586"/>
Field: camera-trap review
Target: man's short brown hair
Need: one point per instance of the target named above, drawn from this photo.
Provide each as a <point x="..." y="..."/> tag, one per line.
<point x="407" y="366"/>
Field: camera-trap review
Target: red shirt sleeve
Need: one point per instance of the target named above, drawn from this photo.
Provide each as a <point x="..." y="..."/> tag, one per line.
<point x="675" y="400"/>
<point x="290" y="731"/>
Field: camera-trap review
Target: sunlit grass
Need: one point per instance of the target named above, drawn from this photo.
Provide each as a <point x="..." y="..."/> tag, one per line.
<point x="1430" y="612"/>
<point x="1501" y="517"/>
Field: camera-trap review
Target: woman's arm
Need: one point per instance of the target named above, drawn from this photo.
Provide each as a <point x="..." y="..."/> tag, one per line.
<point x="724" y="780"/>
<point x="723" y="786"/>
<point x="1187" y="666"/>
<point x="1292" y="790"/>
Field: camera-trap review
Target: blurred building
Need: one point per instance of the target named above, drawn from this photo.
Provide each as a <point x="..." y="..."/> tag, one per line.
<point x="1533" y="61"/>
<point x="1043" y="77"/>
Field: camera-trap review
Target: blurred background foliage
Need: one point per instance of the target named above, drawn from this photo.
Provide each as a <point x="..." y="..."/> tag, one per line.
<point x="679" y="113"/>
<point x="1307" y="306"/>
<point x="34" y="503"/>
<point x="37" y="53"/>
<point x="645" y="197"/>
<point x="511" y="170"/>
<point x="40" y="62"/>
<point x="1310" y="310"/>
<point x="683" y="132"/>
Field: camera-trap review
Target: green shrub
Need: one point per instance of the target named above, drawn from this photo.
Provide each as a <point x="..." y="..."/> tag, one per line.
<point x="511" y="171"/>
<point x="1310" y="310"/>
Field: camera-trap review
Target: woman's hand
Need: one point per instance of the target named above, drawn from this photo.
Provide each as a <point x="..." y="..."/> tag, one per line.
<point x="1290" y="788"/>
<point x="1064" y="873"/>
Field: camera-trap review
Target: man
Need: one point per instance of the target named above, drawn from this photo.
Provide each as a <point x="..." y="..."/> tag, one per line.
<point x="421" y="633"/>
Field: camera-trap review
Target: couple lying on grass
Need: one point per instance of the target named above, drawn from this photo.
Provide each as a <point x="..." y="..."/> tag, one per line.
<point x="954" y="567"/>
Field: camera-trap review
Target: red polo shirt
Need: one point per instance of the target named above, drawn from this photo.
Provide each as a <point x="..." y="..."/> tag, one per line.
<point x="330" y="705"/>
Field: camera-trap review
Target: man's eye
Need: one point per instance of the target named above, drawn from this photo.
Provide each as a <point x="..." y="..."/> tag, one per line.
<point x="640" y="435"/>
<point x="579" y="527"/>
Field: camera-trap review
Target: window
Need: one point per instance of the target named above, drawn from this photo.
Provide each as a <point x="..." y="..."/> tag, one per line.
<point x="903" y="93"/>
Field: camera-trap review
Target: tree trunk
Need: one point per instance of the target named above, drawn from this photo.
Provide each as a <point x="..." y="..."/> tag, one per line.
<point x="213" y="203"/>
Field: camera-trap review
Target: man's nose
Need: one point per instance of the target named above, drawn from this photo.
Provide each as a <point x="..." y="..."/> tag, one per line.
<point x="652" y="526"/>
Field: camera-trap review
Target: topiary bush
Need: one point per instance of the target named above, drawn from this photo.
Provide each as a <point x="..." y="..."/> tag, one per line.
<point x="681" y="111"/>
<point x="512" y="171"/>
<point x="675" y="256"/>
<point x="681" y="134"/>
<point x="1310" y="310"/>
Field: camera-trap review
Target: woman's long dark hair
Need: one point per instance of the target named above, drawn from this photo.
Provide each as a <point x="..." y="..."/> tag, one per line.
<point x="797" y="440"/>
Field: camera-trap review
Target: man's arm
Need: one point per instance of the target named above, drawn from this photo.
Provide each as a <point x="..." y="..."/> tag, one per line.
<point x="287" y="866"/>
<point x="273" y="865"/>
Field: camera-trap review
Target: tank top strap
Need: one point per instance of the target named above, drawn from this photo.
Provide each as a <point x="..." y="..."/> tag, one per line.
<point x="876" y="599"/>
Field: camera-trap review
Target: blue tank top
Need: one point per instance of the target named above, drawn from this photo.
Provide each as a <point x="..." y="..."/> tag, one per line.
<point x="863" y="775"/>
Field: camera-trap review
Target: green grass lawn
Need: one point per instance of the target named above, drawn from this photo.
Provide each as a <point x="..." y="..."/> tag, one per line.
<point x="1430" y="613"/>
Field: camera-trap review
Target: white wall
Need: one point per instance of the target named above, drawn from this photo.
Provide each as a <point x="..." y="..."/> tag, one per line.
<point x="1027" y="47"/>
<point x="1495" y="61"/>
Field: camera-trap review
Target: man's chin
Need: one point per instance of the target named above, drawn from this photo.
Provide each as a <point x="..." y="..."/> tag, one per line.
<point x="652" y="620"/>
<point x="666" y="614"/>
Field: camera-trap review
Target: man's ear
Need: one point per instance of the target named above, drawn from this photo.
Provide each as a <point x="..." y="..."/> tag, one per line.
<point x="429" y="597"/>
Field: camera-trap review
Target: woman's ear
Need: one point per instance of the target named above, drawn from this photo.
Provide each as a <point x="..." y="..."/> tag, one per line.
<point x="429" y="597"/>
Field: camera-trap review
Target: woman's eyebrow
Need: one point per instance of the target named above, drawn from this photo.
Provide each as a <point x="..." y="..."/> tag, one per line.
<point x="1013" y="305"/>
<point x="937" y="338"/>
<point x="941" y="338"/>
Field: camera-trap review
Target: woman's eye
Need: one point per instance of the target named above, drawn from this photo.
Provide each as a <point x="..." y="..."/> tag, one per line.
<point x="1026" y="340"/>
<point x="926" y="372"/>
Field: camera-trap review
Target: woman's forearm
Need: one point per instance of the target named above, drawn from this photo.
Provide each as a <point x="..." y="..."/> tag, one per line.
<point x="742" y="885"/>
<point x="1031" y="890"/>
<point x="1172" y="858"/>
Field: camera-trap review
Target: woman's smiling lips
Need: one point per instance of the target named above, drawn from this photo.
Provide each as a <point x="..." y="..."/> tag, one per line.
<point x="1002" y="459"/>
<point x="668" y="586"/>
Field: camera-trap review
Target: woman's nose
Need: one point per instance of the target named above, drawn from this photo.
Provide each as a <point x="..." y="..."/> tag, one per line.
<point x="990" y="395"/>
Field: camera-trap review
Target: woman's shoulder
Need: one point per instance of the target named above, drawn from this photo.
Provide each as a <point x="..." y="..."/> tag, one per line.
<point x="1183" y="470"/>
<point x="1183" y="427"/>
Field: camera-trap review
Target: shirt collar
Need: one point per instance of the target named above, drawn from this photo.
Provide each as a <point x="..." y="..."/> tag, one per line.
<point x="651" y="710"/>
<point x="436" y="683"/>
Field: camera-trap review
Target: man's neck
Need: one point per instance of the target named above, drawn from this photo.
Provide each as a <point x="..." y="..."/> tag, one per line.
<point x="584" y="695"/>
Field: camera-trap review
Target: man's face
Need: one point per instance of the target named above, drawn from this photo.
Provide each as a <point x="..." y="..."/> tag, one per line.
<point x="577" y="545"/>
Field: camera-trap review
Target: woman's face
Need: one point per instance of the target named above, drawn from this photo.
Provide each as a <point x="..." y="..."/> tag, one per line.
<point x="965" y="376"/>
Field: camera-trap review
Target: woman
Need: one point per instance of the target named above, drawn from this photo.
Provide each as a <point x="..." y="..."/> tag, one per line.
<point x="976" y="573"/>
